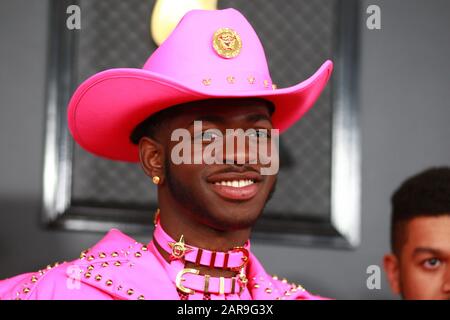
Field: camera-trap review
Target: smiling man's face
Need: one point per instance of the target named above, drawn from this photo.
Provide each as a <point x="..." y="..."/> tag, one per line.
<point x="226" y="196"/>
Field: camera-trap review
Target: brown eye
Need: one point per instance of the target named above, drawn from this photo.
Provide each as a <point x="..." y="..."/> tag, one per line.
<point x="432" y="263"/>
<point x="260" y="133"/>
<point x="207" y="136"/>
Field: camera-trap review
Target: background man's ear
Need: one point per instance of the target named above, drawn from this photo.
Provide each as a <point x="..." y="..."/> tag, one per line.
<point x="392" y="269"/>
<point x="152" y="158"/>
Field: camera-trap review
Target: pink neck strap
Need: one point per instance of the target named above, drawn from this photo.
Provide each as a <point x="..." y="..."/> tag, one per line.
<point x="234" y="259"/>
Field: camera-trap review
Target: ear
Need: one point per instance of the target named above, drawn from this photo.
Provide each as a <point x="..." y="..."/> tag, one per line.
<point x="392" y="269"/>
<point x="151" y="154"/>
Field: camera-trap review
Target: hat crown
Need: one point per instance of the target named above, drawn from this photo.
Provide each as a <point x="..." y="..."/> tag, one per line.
<point x="210" y="54"/>
<point x="188" y="54"/>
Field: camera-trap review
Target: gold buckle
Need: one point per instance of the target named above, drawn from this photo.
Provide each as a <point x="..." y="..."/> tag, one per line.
<point x="180" y="278"/>
<point x="245" y="258"/>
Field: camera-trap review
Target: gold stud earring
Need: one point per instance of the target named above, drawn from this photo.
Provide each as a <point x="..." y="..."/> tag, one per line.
<point x="156" y="180"/>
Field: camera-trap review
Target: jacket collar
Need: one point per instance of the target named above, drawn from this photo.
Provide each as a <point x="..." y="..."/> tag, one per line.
<point x="127" y="269"/>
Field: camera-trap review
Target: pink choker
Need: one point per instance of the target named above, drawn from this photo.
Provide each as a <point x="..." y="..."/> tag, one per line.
<point x="235" y="259"/>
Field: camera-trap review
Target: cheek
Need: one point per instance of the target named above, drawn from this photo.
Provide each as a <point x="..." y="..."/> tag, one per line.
<point x="188" y="179"/>
<point x="419" y="284"/>
<point x="270" y="181"/>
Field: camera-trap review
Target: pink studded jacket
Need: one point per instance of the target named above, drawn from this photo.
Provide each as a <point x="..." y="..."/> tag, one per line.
<point x="118" y="267"/>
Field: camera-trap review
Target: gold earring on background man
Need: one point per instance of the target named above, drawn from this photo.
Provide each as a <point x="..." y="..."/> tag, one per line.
<point x="156" y="180"/>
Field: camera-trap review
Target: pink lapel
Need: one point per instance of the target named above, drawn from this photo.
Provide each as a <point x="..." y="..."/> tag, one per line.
<point x="125" y="269"/>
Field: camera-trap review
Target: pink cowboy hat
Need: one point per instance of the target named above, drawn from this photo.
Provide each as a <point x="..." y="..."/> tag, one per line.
<point x="210" y="54"/>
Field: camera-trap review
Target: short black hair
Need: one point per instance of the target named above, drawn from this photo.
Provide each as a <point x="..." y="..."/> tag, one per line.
<point x="149" y="126"/>
<point x="424" y="194"/>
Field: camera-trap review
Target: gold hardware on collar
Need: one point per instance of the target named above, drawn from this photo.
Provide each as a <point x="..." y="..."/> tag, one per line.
<point x="206" y="286"/>
<point x="179" y="249"/>
<point x="245" y="258"/>
<point x="180" y="278"/>
<point x="242" y="280"/>
<point x="221" y="285"/>
<point x="233" y="284"/>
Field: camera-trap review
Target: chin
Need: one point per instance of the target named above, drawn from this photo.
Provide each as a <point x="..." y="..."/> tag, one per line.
<point x="233" y="218"/>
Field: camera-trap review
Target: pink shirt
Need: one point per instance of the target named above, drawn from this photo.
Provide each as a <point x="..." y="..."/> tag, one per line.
<point x="118" y="267"/>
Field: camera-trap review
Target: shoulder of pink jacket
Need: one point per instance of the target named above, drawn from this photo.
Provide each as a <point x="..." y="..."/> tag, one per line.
<point x="266" y="286"/>
<point x="273" y="287"/>
<point x="66" y="280"/>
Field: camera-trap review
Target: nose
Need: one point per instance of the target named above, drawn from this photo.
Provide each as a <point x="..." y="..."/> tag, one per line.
<point x="239" y="149"/>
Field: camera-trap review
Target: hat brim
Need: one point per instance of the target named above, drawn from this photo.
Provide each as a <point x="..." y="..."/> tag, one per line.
<point x="106" y="108"/>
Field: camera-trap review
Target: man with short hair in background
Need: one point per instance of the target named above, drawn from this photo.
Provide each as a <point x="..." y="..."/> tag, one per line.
<point x="419" y="265"/>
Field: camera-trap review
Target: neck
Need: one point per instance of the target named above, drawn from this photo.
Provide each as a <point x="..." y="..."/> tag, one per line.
<point x="177" y="221"/>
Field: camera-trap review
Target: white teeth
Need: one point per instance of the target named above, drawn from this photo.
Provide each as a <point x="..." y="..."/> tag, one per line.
<point x="235" y="183"/>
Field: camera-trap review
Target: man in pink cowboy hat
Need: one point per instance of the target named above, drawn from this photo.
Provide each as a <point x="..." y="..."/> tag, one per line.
<point x="212" y="69"/>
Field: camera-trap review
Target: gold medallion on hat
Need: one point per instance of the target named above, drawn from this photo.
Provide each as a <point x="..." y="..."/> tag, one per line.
<point x="227" y="43"/>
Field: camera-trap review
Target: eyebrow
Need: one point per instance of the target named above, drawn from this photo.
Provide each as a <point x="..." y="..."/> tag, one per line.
<point x="422" y="250"/>
<point x="257" y="117"/>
